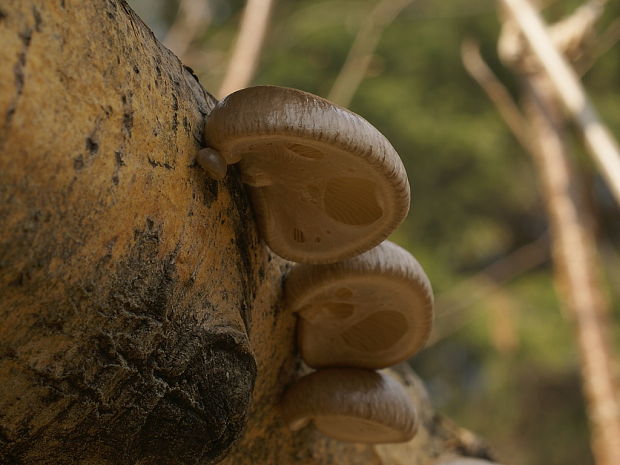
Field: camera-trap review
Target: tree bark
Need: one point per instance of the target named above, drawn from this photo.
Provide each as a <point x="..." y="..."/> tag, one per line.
<point x="137" y="302"/>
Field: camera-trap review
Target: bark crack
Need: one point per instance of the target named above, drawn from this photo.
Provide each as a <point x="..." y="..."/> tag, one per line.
<point x="18" y="73"/>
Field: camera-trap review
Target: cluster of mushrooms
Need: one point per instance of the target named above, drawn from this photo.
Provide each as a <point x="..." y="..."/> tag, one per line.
<point x="327" y="189"/>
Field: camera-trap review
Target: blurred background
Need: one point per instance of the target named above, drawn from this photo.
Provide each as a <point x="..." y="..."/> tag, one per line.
<point x="503" y="361"/>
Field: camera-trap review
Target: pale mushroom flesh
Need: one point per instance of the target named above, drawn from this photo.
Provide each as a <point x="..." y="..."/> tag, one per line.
<point x="352" y="405"/>
<point x="372" y="311"/>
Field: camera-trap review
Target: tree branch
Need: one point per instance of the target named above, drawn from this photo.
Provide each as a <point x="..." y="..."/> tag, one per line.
<point x="192" y="18"/>
<point x="496" y="91"/>
<point x="360" y="54"/>
<point x="248" y="46"/>
<point x="600" y="142"/>
<point x="577" y="272"/>
<point x="451" y="304"/>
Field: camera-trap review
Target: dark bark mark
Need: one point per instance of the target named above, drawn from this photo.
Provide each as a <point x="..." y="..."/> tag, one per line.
<point x="131" y="16"/>
<point x="156" y="164"/>
<point x="78" y="163"/>
<point x="2" y="14"/>
<point x="210" y="191"/>
<point x="127" y="114"/>
<point x="175" y="116"/>
<point x="38" y="21"/>
<point x="18" y="72"/>
<point x="27" y="238"/>
<point x="181" y="398"/>
<point x="26" y="37"/>
<point x="206" y="104"/>
<point x="118" y="158"/>
<point x="192" y="73"/>
<point x="210" y="419"/>
<point x="92" y="146"/>
<point x="158" y="77"/>
<point x="246" y="216"/>
<point x="241" y="240"/>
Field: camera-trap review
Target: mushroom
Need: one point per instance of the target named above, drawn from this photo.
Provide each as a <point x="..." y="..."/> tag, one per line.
<point x="325" y="184"/>
<point x="351" y="404"/>
<point x="464" y="461"/>
<point x="212" y="162"/>
<point x="371" y="311"/>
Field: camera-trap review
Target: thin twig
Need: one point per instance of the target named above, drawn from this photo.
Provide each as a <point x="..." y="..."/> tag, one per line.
<point x="496" y="91"/>
<point x="364" y="45"/>
<point x="192" y="18"/>
<point x="484" y="283"/>
<point x="605" y="42"/>
<point x="599" y="140"/>
<point x="248" y="46"/>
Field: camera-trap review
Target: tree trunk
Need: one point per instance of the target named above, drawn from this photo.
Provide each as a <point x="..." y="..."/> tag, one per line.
<point x="136" y="299"/>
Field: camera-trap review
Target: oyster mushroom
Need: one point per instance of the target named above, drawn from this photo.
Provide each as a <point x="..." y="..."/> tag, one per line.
<point x="212" y="162"/>
<point x="325" y="184"/>
<point x="463" y="461"/>
<point x="371" y="311"/>
<point x="351" y="404"/>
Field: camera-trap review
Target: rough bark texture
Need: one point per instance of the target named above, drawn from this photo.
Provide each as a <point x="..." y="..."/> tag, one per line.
<point x="118" y="341"/>
<point x="137" y="303"/>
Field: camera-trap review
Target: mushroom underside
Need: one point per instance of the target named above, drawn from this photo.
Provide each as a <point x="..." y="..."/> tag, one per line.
<point x="316" y="203"/>
<point x="368" y="321"/>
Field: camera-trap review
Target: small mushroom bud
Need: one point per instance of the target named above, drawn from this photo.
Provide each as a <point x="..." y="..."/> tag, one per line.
<point x="371" y="311"/>
<point x="213" y="163"/>
<point x="351" y="404"/>
<point x="324" y="183"/>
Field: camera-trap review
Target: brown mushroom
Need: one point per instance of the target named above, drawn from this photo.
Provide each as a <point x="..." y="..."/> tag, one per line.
<point x="325" y="184"/>
<point x="463" y="461"/>
<point x="351" y="404"/>
<point x="212" y="162"/>
<point x="371" y="311"/>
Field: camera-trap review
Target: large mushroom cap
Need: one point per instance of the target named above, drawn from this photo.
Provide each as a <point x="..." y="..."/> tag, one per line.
<point x="371" y="311"/>
<point x="351" y="404"/>
<point x="325" y="184"/>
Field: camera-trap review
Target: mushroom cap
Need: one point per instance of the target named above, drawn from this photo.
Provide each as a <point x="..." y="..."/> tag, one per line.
<point x="351" y="404"/>
<point x="464" y="461"/>
<point x="371" y="311"/>
<point x="325" y="184"/>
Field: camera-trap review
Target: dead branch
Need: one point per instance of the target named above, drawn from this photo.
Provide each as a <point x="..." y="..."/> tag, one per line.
<point x="192" y="18"/>
<point x="577" y="272"/>
<point x="452" y="304"/>
<point x="574" y="247"/>
<point x="365" y="43"/>
<point x="495" y="90"/>
<point x="600" y="142"/>
<point x="248" y="46"/>
<point x="608" y="39"/>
